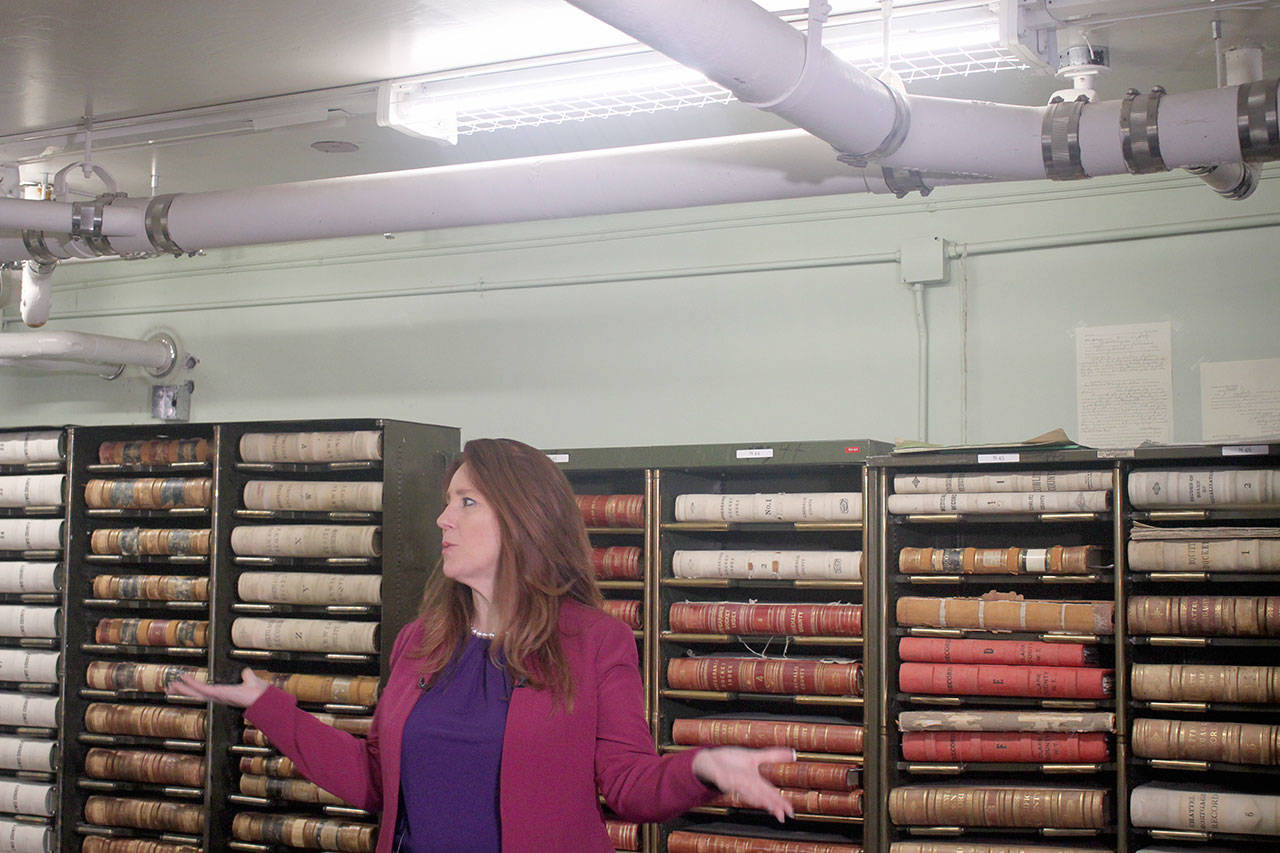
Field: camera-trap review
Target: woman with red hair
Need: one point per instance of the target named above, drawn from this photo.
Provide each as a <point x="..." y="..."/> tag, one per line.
<point x="512" y="699"/>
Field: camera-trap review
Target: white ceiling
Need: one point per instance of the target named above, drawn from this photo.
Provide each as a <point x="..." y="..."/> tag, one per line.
<point x="61" y="58"/>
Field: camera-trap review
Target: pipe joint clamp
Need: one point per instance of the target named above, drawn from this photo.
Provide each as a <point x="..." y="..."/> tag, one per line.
<point x="156" y="223"/>
<point x="897" y="134"/>
<point x="34" y="241"/>
<point x="1060" y="141"/>
<point x="93" y="236"/>
<point x="902" y="182"/>
<point x="1258" y="120"/>
<point x="1140" y="131"/>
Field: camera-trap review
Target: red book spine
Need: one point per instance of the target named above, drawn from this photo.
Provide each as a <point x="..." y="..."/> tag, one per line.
<point x="612" y="510"/>
<point x="808" y="737"/>
<point x="619" y="562"/>
<point x="731" y="617"/>
<point x="768" y="675"/>
<point x="1055" y="682"/>
<point x="1007" y="652"/>
<point x="842" y="803"/>
<point x="685" y="841"/>
<point x="823" y="775"/>
<point x="1005" y="746"/>
<point x="627" y="611"/>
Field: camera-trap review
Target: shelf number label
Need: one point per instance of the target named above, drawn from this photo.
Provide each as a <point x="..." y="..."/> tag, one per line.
<point x="755" y="453"/>
<point x="988" y="458"/>
<point x="1245" y="450"/>
<point x="559" y="458"/>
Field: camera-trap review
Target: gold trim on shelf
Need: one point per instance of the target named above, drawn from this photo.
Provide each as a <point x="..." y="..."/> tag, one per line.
<point x="1178" y="764"/>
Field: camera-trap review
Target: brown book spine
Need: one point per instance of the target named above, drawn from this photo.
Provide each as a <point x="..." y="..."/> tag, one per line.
<point x="1205" y="615"/>
<point x="1163" y="682"/>
<point x="311" y="833"/>
<point x="623" y="835"/>
<point x="617" y="562"/>
<point x="150" y="542"/>
<point x="972" y="847"/>
<point x="339" y="689"/>
<point x="822" y="775"/>
<point x="808" y="737"/>
<point x="149" y="493"/>
<point x="975" y="679"/>
<point x="766" y="675"/>
<point x="836" y="803"/>
<point x="151" y="587"/>
<point x="141" y="765"/>
<point x="1197" y="740"/>
<point x="142" y="677"/>
<point x="278" y="766"/>
<point x="1007" y="652"/>
<point x="159" y="815"/>
<point x="612" y="510"/>
<point x="1007" y="614"/>
<point x="1024" y="747"/>
<point x="146" y="721"/>
<point x="686" y="841"/>
<point x="731" y="617"/>
<point x="627" y="611"/>
<point x="184" y="633"/>
<point x="966" y="805"/>
<point x="293" y="790"/>
<point x="1057" y="560"/>
<point x="359" y="726"/>
<point x="154" y="451"/>
<point x="95" y="844"/>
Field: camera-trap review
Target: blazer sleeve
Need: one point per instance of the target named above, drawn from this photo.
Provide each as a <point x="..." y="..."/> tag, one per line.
<point x="346" y="766"/>
<point x="637" y="783"/>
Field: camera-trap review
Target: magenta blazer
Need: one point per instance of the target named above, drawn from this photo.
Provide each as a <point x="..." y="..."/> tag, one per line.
<point x="553" y="761"/>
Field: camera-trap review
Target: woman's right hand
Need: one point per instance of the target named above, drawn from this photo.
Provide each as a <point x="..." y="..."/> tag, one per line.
<point x="240" y="695"/>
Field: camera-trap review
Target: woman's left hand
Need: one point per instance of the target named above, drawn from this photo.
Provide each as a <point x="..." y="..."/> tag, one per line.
<point x="736" y="770"/>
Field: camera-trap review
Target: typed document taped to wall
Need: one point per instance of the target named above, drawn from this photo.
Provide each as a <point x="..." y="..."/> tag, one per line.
<point x="1240" y="399"/>
<point x="1124" y="384"/>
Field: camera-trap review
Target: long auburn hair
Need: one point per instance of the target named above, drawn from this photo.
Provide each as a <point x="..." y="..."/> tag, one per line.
<point x="544" y="558"/>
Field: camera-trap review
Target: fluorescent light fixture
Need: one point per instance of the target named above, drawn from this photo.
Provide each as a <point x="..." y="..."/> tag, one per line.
<point x="924" y="45"/>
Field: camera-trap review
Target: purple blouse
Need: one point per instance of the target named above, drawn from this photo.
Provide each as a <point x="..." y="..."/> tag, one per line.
<point x="451" y="754"/>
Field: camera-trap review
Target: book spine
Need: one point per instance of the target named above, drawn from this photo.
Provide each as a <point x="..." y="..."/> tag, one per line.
<point x="293" y="790"/>
<point x="1198" y="740"/>
<point x="96" y="844"/>
<point x="836" y="620"/>
<point x="1090" y="617"/>
<point x="844" y="804"/>
<point x="341" y="689"/>
<point x="307" y="540"/>
<point x="956" y="805"/>
<point x="768" y="565"/>
<point x="1205" y="555"/>
<point x="146" y="721"/>
<point x="627" y="611"/>
<point x="17" y="709"/>
<point x="18" y="577"/>
<point x="311" y="447"/>
<point x="151" y="587"/>
<point x="623" y="835"/>
<point x="157" y="815"/>
<point x="313" y="588"/>
<point x="1007" y="721"/>
<point x="25" y="448"/>
<point x="269" y="765"/>
<point x="1204" y="809"/>
<point x="1164" y="682"/>
<point x="1205" y="615"/>
<point x="17" y="620"/>
<point x="800" y="506"/>
<point x="160" y="451"/>
<point x="313" y="496"/>
<point x="972" y="847"/>
<point x="766" y="676"/>
<point x="1007" y="652"/>
<point x="149" y="493"/>
<point x="143" y="677"/>
<point x="617" y="562"/>
<point x="808" y="737"/>
<point x="31" y="534"/>
<point x="819" y="775"/>
<point x="33" y="490"/>
<point x="1204" y="488"/>
<point x="143" y="542"/>
<point x="1026" y="747"/>
<point x="150" y="766"/>
<point x="688" y="841"/>
<point x="969" y="679"/>
<point x="300" y="831"/>
<point x="28" y="754"/>
<point x="31" y="666"/>
<point x="306" y="635"/>
<point x="1031" y="481"/>
<point x="1056" y="560"/>
<point x="185" y="633"/>
<point x="626" y="511"/>
<point x="1000" y="502"/>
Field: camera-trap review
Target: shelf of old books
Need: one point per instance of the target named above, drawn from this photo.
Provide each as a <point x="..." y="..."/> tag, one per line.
<point x="1202" y="542"/>
<point x="612" y="486"/>
<point x="760" y="636"/>
<point x="999" y="661"/>
<point x="33" y="493"/>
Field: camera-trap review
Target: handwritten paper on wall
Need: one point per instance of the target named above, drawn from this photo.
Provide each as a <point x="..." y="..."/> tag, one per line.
<point x="1124" y="384"/>
<point x="1240" y="399"/>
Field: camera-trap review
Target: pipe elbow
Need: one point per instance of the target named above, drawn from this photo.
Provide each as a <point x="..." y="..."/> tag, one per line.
<point x="1234" y="181"/>
<point x="36" y="294"/>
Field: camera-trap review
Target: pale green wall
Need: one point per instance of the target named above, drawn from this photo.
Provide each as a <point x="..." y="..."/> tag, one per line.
<point x="665" y="342"/>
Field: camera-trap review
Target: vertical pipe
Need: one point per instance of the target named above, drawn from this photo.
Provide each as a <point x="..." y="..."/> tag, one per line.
<point x="922" y="377"/>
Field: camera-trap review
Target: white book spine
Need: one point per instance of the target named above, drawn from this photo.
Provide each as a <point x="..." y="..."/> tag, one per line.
<point x="1204" y="488"/>
<point x="1205" y="555"/>
<point x="313" y="496"/>
<point x="26" y="798"/>
<point x="1006" y="721"/>
<point x="313" y="588"/>
<point x="33" y="666"/>
<point x="768" y="565"/>
<point x="1032" y="481"/>
<point x="1204" y="809"/>
<point x="305" y="635"/>
<point x="359" y="445"/>
<point x="18" y="837"/>
<point x="778" y="507"/>
<point x="999" y="502"/>
<point x="20" y="577"/>
<point x="20" y="709"/>
<point x="31" y="534"/>
<point x="24" y="448"/>
<point x="306" y="540"/>
<point x="17" y="620"/>
<point x="17" y="753"/>
<point x="33" y="490"/>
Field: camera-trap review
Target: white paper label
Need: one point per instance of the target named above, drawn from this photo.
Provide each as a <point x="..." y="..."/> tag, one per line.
<point x="985" y="458"/>
<point x="1245" y="450"/>
<point x="755" y="453"/>
<point x="1115" y="454"/>
<point x="559" y="458"/>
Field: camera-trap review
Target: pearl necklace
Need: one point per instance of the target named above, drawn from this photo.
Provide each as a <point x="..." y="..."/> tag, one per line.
<point x="484" y="635"/>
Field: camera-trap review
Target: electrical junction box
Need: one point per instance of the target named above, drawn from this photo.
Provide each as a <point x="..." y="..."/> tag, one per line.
<point x="923" y="260"/>
<point x="172" y="402"/>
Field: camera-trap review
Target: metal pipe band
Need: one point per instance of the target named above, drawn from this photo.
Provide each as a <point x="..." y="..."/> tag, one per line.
<point x="34" y="241"/>
<point x="897" y="134"/>
<point x="901" y="182"/>
<point x="1060" y="141"/>
<point x="1140" y="131"/>
<point x="156" y="222"/>
<point x="1258" y="120"/>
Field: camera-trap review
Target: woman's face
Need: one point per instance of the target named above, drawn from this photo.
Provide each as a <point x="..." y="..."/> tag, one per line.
<point x="470" y="535"/>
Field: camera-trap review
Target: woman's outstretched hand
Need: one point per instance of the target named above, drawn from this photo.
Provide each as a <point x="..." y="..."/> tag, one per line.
<point x="240" y="695"/>
<point x="736" y="770"/>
